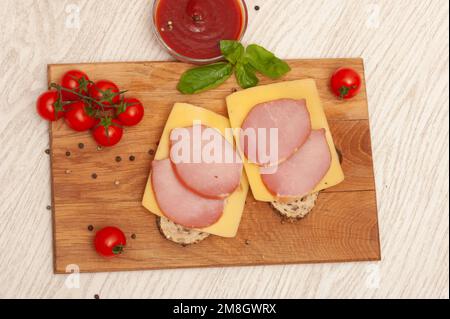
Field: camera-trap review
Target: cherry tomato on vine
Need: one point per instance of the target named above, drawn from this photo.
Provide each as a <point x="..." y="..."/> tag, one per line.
<point x="108" y="132"/>
<point x="77" y="81"/>
<point x="105" y="92"/>
<point x="110" y="241"/>
<point x="345" y="83"/>
<point x="79" y="118"/>
<point x="49" y="106"/>
<point x="130" y="111"/>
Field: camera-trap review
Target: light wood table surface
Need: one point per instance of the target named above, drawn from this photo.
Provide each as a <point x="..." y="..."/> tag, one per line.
<point x="405" y="45"/>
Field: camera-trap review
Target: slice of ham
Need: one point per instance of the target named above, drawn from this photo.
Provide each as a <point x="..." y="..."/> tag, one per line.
<point x="298" y="176"/>
<point x="215" y="177"/>
<point x="179" y="204"/>
<point x="290" y="117"/>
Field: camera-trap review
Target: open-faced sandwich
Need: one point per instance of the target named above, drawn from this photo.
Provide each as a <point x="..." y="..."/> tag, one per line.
<point x="196" y="185"/>
<point x="287" y="168"/>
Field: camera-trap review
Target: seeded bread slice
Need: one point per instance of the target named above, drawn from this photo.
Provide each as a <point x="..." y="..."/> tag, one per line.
<point x="296" y="209"/>
<point x="179" y="234"/>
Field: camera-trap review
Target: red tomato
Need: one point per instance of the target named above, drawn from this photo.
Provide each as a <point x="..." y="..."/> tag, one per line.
<point x="77" y="81"/>
<point x="130" y="112"/>
<point x="49" y="107"/>
<point x="110" y="241"/>
<point x="78" y="118"/>
<point x="345" y="83"/>
<point x="105" y="92"/>
<point x="108" y="132"/>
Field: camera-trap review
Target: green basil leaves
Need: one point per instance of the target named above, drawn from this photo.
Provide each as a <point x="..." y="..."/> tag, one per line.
<point x="266" y="62"/>
<point x="205" y="77"/>
<point x="244" y="62"/>
<point x="233" y="51"/>
<point x="245" y="75"/>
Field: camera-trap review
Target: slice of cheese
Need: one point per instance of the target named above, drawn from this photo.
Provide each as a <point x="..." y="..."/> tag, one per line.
<point x="184" y="115"/>
<point x="239" y="105"/>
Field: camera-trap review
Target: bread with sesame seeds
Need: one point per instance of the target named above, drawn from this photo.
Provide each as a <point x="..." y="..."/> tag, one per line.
<point x="296" y="209"/>
<point x="179" y="234"/>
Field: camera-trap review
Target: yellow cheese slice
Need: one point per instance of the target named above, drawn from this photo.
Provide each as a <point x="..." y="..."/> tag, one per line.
<point x="239" y="105"/>
<point x="184" y="115"/>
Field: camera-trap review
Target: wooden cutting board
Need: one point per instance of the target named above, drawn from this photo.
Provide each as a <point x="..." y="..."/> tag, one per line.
<point x="343" y="226"/>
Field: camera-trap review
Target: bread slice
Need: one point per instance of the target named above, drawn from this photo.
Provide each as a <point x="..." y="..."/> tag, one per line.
<point x="296" y="209"/>
<point x="179" y="234"/>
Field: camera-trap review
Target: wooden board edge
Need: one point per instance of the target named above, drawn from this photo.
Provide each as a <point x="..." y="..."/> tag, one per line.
<point x="377" y="258"/>
<point x="373" y="162"/>
<point x="52" y="187"/>
<point x="49" y="65"/>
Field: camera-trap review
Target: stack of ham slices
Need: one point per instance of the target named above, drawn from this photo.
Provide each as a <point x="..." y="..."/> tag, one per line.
<point x="304" y="156"/>
<point x="191" y="192"/>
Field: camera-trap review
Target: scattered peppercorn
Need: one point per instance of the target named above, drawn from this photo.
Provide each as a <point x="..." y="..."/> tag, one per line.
<point x="80" y="146"/>
<point x="234" y="90"/>
<point x="257" y="8"/>
<point x="132" y="158"/>
<point x="90" y="228"/>
<point x="247" y="242"/>
<point x="151" y="152"/>
<point x="67" y="153"/>
<point x="96" y="296"/>
<point x="49" y="207"/>
<point x="47" y="151"/>
<point x="118" y="159"/>
<point x="133" y="236"/>
<point x="94" y="175"/>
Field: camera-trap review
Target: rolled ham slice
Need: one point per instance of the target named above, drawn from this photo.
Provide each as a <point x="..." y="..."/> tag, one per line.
<point x="179" y="204"/>
<point x="300" y="174"/>
<point x="292" y="120"/>
<point x="216" y="170"/>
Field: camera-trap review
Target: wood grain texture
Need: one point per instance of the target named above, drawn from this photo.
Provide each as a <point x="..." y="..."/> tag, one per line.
<point x="404" y="44"/>
<point x="349" y="233"/>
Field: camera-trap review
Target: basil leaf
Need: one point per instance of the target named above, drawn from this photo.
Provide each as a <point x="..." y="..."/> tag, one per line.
<point x="203" y="78"/>
<point x="266" y="62"/>
<point x="245" y="75"/>
<point x="232" y="50"/>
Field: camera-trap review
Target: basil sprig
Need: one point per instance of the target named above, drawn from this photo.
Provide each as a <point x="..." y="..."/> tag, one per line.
<point x="244" y="62"/>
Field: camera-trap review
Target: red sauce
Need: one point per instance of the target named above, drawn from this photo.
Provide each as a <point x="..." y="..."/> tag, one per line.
<point x="193" y="28"/>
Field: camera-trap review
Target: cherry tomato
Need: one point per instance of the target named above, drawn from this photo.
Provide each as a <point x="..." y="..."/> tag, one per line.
<point x="77" y="81"/>
<point x="78" y="118"/>
<point x="108" y="133"/>
<point x="105" y="92"/>
<point x="49" y="107"/>
<point x="130" y="112"/>
<point x="110" y="241"/>
<point x="345" y="83"/>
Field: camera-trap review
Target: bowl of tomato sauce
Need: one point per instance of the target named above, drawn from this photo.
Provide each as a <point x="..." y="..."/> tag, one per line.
<point x="191" y="30"/>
